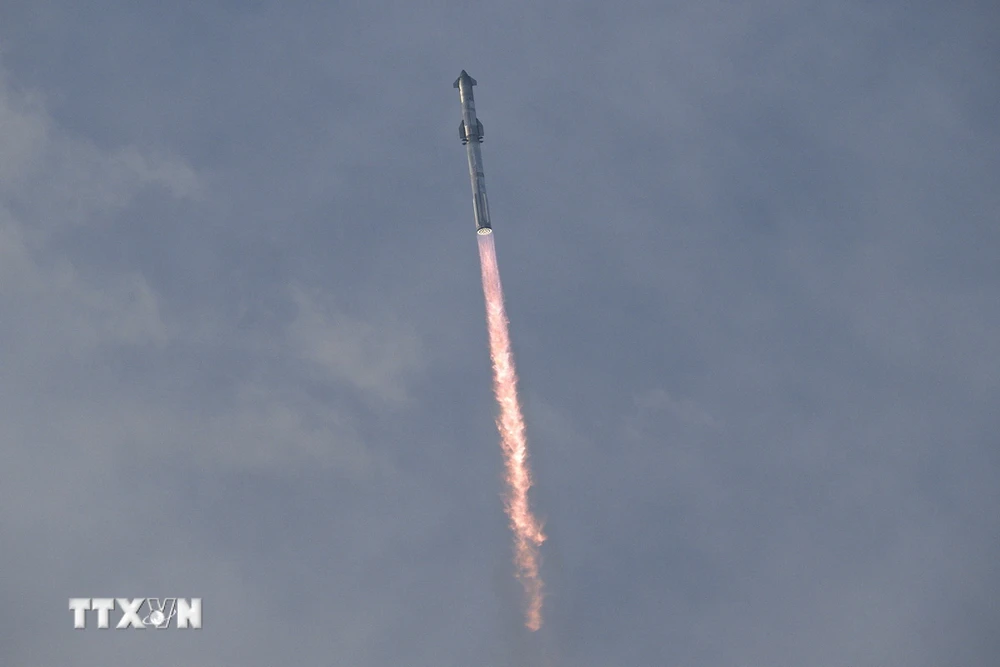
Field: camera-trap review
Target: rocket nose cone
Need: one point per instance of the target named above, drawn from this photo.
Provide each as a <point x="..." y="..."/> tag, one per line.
<point x="464" y="76"/>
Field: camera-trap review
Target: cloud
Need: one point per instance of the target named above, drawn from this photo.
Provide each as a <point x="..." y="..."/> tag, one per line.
<point x="374" y="358"/>
<point x="752" y="278"/>
<point x="118" y="409"/>
<point x="268" y="432"/>
<point x="58" y="180"/>
<point x="50" y="306"/>
<point x="685" y="411"/>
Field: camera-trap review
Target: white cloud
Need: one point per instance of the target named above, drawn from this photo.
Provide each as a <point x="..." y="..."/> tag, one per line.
<point x="376" y="359"/>
<point x="685" y="410"/>
<point x="24" y="135"/>
<point x="50" y="309"/>
<point x="48" y="179"/>
<point x="63" y="326"/>
<point x="60" y="180"/>
<point x="268" y="432"/>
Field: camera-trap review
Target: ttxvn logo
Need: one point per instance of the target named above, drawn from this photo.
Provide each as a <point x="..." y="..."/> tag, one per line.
<point x="157" y="612"/>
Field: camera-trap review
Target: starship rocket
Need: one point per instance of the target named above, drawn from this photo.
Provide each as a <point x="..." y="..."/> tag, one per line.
<point x="470" y="131"/>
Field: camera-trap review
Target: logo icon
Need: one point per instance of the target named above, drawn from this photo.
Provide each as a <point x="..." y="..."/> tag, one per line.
<point x="160" y="612"/>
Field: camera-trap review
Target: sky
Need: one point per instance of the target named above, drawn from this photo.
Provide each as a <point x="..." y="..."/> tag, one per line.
<point x="750" y="260"/>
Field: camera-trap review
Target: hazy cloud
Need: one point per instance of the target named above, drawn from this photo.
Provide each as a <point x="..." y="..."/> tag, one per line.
<point x="749" y="254"/>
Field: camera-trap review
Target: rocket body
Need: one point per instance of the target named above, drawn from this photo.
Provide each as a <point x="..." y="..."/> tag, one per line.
<point x="470" y="131"/>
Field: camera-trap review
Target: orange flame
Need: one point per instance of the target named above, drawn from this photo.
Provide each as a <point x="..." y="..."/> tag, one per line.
<point x="528" y="535"/>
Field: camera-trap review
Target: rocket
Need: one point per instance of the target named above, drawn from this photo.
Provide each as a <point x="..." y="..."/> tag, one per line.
<point x="470" y="131"/>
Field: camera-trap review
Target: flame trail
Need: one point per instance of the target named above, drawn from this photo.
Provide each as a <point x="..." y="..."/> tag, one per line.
<point x="528" y="535"/>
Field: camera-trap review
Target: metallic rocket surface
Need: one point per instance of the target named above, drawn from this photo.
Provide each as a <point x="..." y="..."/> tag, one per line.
<point x="470" y="131"/>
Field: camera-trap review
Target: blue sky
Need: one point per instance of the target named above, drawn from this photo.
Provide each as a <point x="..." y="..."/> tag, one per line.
<point x="750" y="257"/>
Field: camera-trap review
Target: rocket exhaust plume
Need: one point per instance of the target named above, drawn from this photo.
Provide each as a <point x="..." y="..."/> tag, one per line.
<point x="528" y="535"/>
